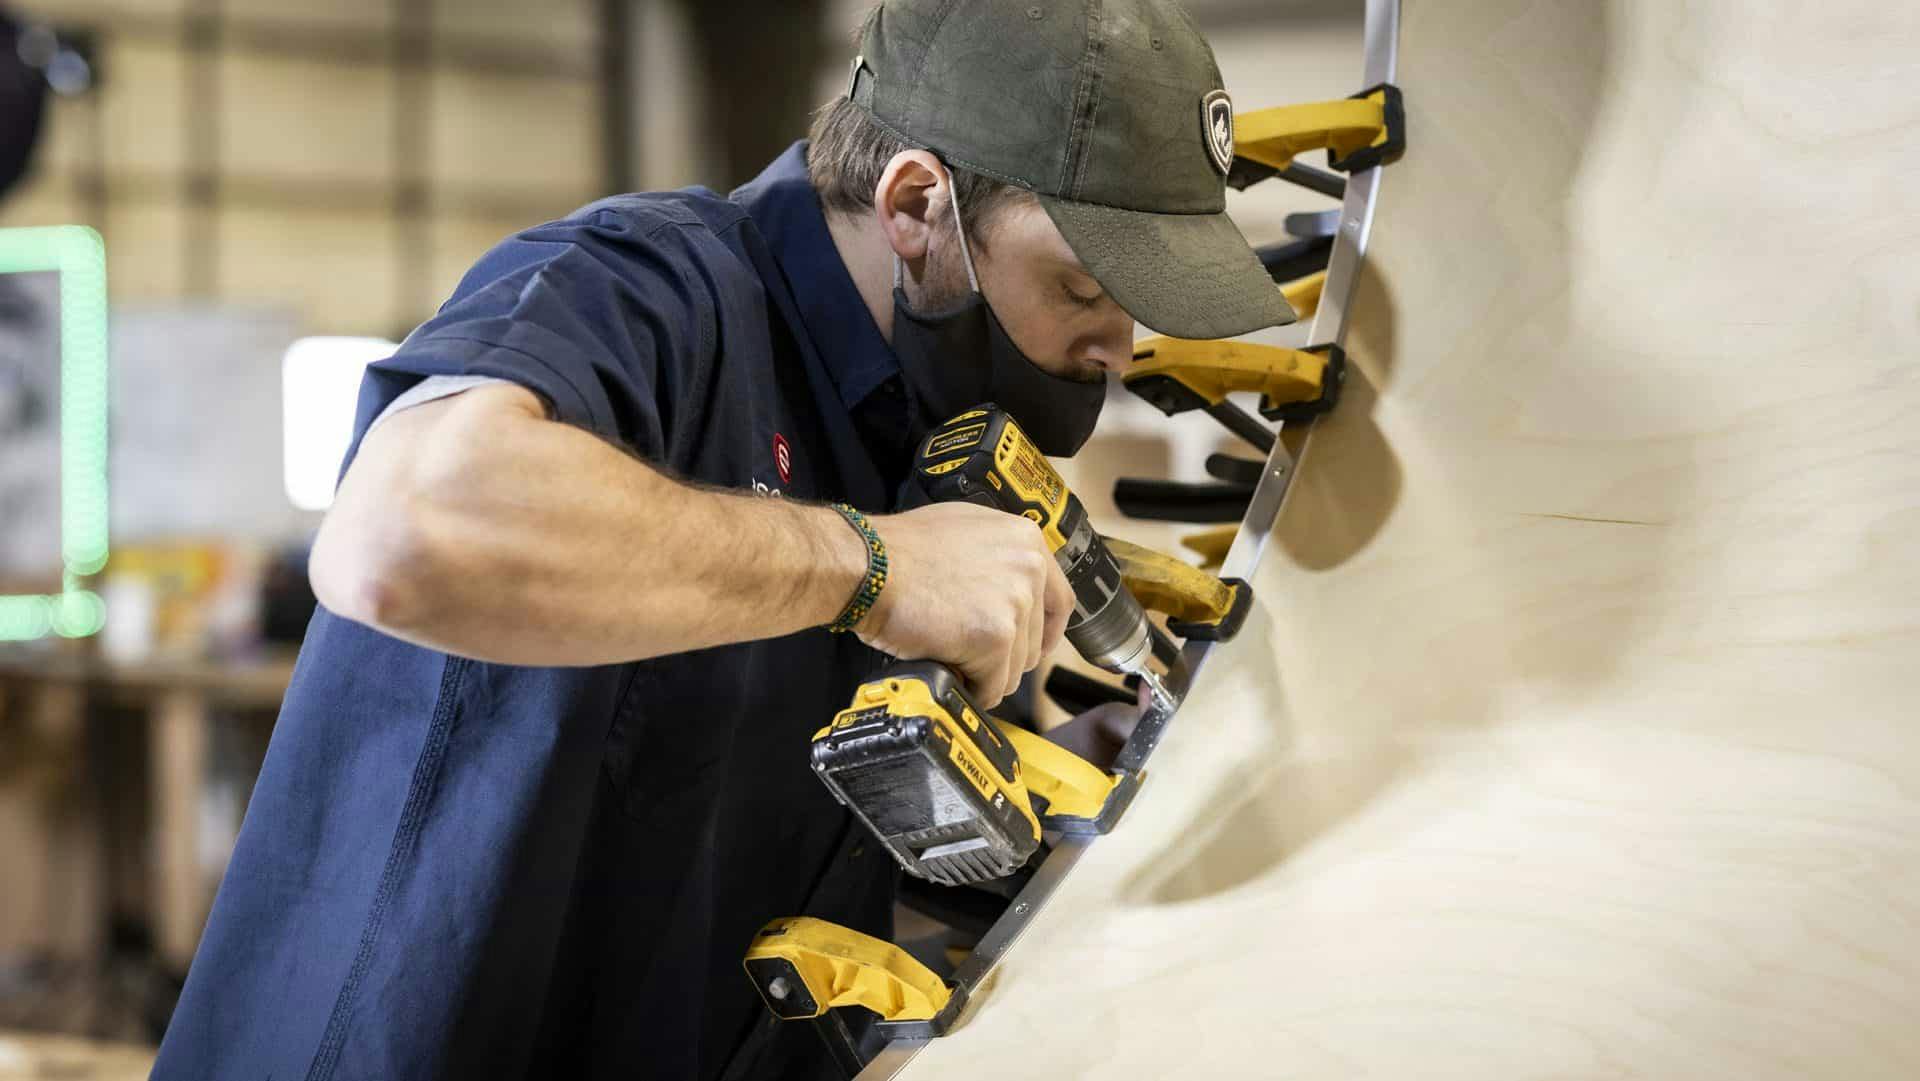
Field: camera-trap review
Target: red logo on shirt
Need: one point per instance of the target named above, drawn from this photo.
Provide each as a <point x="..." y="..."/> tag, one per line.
<point x="782" y="458"/>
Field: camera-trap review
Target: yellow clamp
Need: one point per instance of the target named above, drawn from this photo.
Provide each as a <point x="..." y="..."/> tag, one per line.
<point x="1211" y="544"/>
<point x="1179" y="374"/>
<point x="805" y="966"/>
<point x="1357" y="133"/>
<point x="1304" y="293"/>
<point x="1197" y="604"/>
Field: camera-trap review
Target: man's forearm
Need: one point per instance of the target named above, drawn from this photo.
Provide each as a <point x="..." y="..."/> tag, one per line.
<point x="499" y="535"/>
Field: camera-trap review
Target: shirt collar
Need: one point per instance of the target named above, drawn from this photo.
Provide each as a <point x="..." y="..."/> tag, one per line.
<point x="783" y="206"/>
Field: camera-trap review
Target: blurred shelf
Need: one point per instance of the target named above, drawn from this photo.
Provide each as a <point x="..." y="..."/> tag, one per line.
<point x="260" y="683"/>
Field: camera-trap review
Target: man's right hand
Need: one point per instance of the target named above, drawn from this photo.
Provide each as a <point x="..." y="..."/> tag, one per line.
<point x="972" y="587"/>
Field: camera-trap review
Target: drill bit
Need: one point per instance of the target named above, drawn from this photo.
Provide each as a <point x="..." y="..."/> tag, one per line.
<point x="1162" y="699"/>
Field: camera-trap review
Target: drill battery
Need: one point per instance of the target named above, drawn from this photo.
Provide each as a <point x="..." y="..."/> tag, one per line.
<point x="930" y="775"/>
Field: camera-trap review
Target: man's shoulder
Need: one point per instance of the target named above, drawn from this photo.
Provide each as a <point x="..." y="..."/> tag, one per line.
<point x="647" y="213"/>
<point x="637" y="237"/>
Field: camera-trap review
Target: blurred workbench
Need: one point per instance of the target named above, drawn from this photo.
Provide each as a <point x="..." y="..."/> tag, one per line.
<point x="54" y="692"/>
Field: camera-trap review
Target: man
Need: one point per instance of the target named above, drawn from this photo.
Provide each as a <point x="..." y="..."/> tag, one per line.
<point x="542" y="770"/>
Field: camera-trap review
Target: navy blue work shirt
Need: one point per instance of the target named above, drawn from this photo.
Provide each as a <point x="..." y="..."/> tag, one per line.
<point x="452" y="868"/>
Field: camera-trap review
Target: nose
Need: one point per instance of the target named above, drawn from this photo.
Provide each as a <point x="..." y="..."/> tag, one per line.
<point x="1112" y="348"/>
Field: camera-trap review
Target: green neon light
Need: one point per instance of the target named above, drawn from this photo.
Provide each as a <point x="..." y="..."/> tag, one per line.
<point x="24" y="617"/>
<point x="80" y="257"/>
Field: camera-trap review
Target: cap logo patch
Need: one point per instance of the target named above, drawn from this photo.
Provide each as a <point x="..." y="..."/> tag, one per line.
<point x="1216" y="122"/>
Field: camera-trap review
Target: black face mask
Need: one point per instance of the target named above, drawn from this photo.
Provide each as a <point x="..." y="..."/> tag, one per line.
<point x="957" y="359"/>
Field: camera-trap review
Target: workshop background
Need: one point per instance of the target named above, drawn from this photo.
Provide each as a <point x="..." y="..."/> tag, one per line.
<point x="284" y="189"/>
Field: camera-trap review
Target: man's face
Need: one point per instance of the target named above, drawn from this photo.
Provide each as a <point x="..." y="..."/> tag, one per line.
<point x="1050" y="306"/>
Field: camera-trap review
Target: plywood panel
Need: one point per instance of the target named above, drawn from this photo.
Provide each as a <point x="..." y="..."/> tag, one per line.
<point x="305" y="120"/>
<point x="1573" y="736"/>
<point x="519" y="135"/>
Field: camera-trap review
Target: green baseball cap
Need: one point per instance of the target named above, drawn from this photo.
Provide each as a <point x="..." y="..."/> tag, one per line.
<point x="1111" y="112"/>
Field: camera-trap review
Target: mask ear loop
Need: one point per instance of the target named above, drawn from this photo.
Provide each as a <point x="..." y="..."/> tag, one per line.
<point x="964" y="252"/>
<point x="973" y="280"/>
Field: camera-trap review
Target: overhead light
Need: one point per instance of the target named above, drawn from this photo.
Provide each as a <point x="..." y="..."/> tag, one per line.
<point x="320" y="385"/>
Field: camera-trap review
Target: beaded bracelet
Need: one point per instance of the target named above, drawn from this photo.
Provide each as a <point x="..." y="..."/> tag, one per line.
<point x="869" y="591"/>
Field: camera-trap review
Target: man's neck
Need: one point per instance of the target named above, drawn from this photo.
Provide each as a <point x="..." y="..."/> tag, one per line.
<point x="869" y="261"/>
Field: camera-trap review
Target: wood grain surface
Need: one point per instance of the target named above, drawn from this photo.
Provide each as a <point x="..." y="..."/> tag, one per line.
<point x="1577" y="731"/>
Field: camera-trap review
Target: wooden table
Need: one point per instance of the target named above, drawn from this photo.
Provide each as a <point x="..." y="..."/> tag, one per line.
<point x="177" y="698"/>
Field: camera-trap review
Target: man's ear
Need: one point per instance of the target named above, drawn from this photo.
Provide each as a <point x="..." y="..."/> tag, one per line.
<point x="913" y="191"/>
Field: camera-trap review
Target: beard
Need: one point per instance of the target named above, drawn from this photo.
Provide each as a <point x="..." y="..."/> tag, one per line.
<point x="942" y="284"/>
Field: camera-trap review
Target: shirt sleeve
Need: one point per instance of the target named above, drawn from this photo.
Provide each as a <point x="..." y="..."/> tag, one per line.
<point x="601" y="315"/>
<point x="432" y="389"/>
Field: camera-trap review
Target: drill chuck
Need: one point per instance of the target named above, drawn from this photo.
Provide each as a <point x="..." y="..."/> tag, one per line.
<point x="1108" y="626"/>
<point x="1115" y="639"/>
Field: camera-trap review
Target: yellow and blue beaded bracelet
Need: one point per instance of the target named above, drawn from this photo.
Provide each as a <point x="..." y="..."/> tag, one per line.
<point x="870" y="586"/>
